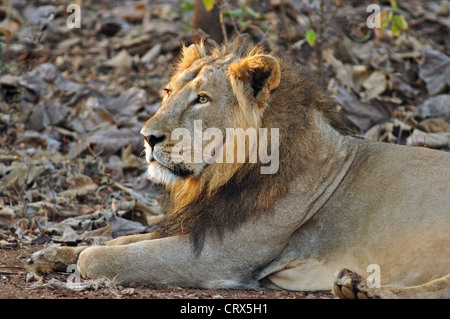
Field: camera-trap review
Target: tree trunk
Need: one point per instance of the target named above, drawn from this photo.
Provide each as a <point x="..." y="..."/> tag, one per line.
<point x="207" y="21"/>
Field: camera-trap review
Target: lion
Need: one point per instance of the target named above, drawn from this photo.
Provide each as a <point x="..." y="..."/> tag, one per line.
<point x="335" y="205"/>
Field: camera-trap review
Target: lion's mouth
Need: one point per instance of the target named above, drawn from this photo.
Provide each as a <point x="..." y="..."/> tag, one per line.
<point x="178" y="169"/>
<point x="181" y="171"/>
<point x="162" y="170"/>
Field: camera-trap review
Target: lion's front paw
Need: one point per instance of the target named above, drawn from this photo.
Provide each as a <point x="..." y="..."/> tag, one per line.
<point x="350" y="285"/>
<point x="53" y="259"/>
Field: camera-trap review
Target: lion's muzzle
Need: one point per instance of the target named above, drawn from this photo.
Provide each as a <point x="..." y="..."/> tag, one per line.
<point x="152" y="140"/>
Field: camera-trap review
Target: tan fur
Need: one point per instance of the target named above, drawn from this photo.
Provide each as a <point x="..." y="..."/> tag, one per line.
<point x="190" y="54"/>
<point x="335" y="202"/>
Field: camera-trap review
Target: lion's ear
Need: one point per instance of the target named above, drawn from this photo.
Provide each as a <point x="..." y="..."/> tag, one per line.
<point x="260" y="72"/>
<point x="190" y="54"/>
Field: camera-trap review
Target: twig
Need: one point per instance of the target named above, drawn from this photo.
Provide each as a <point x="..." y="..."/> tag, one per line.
<point x="147" y="13"/>
<point x="319" y="42"/>
<point x="320" y="28"/>
<point x="8" y="11"/>
<point x="20" y="193"/>
<point x="332" y="16"/>
<point x="222" y="25"/>
<point x="233" y="22"/>
<point x="13" y="270"/>
<point x="285" y="27"/>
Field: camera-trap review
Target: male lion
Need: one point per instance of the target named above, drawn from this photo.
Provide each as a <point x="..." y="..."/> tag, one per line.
<point x="335" y="201"/>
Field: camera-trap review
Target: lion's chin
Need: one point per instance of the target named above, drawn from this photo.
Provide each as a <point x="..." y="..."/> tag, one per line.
<point x="159" y="174"/>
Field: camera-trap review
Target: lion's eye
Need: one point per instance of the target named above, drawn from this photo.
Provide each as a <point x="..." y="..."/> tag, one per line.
<point x="165" y="93"/>
<point x="203" y="99"/>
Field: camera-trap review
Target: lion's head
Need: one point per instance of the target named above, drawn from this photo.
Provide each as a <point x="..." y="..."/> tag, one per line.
<point x="209" y="94"/>
<point x="238" y="85"/>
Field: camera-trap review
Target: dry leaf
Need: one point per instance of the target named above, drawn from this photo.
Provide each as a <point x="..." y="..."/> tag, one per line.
<point x="81" y="185"/>
<point x="374" y="85"/>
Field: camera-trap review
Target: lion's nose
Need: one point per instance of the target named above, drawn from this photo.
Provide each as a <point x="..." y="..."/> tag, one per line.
<point x="152" y="140"/>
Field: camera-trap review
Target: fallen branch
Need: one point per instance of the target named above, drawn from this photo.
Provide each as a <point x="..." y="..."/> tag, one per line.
<point x="12" y="270"/>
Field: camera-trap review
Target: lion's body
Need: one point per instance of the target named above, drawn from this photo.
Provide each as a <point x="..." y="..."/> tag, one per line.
<point x="378" y="216"/>
<point x="334" y="201"/>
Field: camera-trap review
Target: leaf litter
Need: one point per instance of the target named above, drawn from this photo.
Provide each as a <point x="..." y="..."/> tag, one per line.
<point x="72" y="103"/>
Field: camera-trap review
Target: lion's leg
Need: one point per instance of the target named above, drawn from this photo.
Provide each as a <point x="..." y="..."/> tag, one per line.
<point x="166" y="262"/>
<point x="125" y="240"/>
<point x="350" y="285"/>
